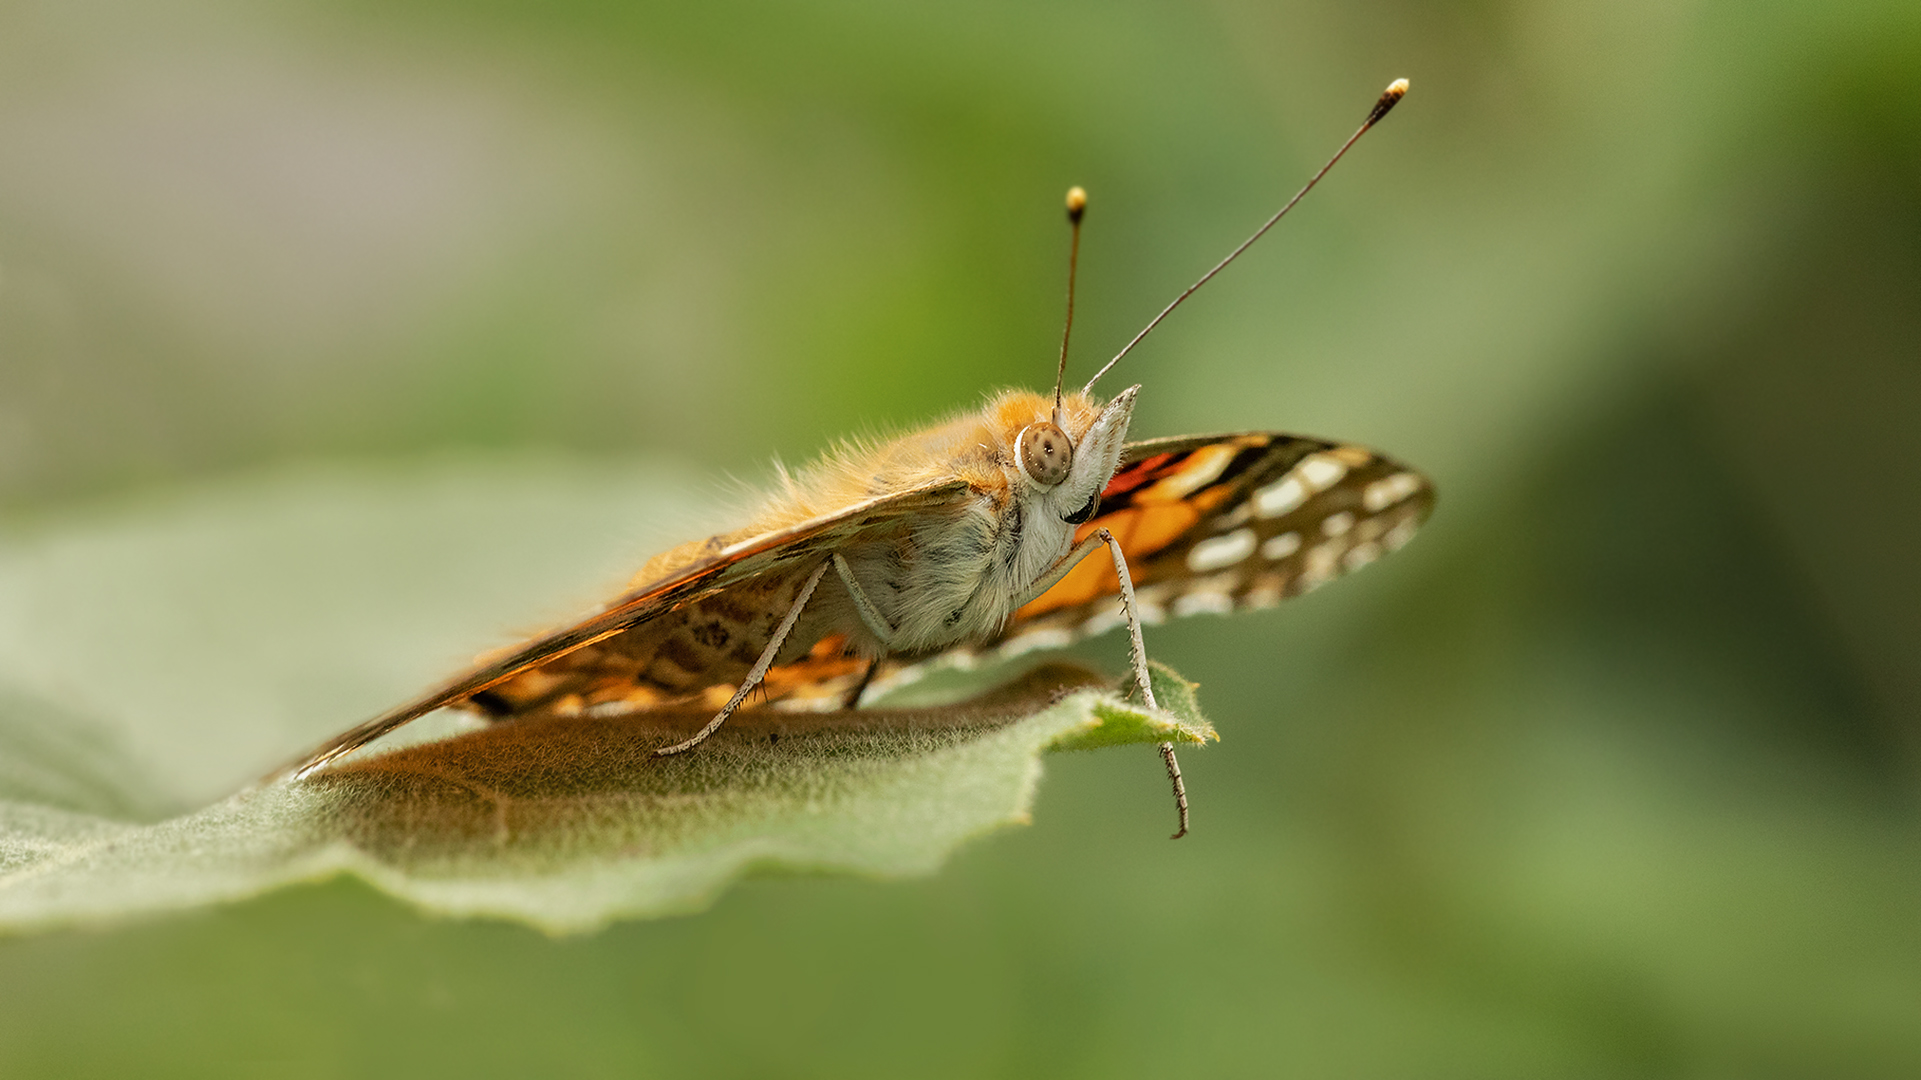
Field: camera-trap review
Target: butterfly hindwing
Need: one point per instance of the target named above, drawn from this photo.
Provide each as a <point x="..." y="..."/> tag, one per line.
<point x="1225" y="522"/>
<point x="708" y="569"/>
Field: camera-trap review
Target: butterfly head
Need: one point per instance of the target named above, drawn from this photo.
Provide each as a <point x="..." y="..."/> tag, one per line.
<point x="1061" y="457"/>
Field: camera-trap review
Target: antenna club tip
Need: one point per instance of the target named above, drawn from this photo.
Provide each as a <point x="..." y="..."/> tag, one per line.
<point x="1396" y="90"/>
<point x="1076" y="203"/>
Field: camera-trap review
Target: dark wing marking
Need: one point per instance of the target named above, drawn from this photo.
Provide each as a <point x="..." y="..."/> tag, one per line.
<point x="1223" y="522"/>
<point x="726" y="566"/>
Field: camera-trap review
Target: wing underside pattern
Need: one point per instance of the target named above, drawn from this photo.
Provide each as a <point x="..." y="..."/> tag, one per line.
<point x="1209" y="524"/>
<point x="1226" y="523"/>
<point x="711" y="569"/>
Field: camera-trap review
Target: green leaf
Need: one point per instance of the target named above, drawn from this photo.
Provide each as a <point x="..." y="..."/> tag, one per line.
<point x="1117" y="723"/>
<point x="563" y="824"/>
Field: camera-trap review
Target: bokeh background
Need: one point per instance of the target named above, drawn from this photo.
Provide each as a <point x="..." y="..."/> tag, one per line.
<point x="1612" y="773"/>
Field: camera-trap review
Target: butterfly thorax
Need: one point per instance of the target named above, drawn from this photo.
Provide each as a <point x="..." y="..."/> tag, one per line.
<point x="955" y="577"/>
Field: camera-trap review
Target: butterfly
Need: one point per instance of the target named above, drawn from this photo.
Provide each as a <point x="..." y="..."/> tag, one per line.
<point x="1025" y="524"/>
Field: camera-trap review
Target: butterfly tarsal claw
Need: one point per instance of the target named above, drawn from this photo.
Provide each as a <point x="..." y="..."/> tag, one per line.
<point x="1180" y="789"/>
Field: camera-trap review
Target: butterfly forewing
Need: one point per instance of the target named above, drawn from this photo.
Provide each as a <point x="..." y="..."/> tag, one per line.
<point x="1217" y="523"/>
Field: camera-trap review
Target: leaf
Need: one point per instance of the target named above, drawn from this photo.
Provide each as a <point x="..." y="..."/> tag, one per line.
<point x="1118" y="724"/>
<point x="568" y="824"/>
<point x="565" y="824"/>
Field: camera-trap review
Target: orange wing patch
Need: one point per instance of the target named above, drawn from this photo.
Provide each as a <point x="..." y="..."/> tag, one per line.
<point x="1159" y="505"/>
<point x="1229" y="522"/>
<point x="1141" y="530"/>
<point x="1199" y="469"/>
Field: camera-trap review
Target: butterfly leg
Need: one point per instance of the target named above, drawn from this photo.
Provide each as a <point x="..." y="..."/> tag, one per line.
<point x="1137" y="649"/>
<point x="852" y="700"/>
<point x="759" y="671"/>
<point x="870" y="615"/>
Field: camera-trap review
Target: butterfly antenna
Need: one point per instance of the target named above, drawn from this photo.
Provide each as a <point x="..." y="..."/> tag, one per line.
<point x="1076" y="207"/>
<point x="1393" y="95"/>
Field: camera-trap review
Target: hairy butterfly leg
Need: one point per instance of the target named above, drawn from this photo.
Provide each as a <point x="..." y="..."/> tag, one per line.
<point x="870" y="615"/>
<point x="759" y="671"/>
<point x="1137" y="649"/>
<point x="852" y="700"/>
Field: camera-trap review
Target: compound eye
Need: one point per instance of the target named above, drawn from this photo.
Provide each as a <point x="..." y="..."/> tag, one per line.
<point x="1045" y="454"/>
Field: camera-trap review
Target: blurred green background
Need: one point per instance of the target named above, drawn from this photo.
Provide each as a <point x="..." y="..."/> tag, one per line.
<point x="1612" y="773"/>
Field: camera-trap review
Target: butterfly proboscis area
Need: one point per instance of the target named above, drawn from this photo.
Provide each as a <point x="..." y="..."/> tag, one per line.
<point x="1024" y="525"/>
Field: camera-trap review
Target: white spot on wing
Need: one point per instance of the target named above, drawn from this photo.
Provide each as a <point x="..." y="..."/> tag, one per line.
<point x="1266" y="591"/>
<point x="1320" y="565"/>
<point x="1280" y="497"/>
<point x="1206" y="602"/>
<point x="1361" y="555"/>
<point x="906" y="676"/>
<point x="1280" y="547"/>
<point x="1149" y="603"/>
<point x="1400" y="534"/>
<point x="1216" y="552"/>
<point x="1338" y="524"/>
<point x="1389" y="490"/>
<point x="1321" y="471"/>
<point x="1233" y="519"/>
<point x="1052" y="637"/>
<point x="1315" y="473"/>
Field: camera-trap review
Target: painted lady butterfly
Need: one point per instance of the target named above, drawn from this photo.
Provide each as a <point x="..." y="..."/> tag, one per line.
<point x="973" y="534"/>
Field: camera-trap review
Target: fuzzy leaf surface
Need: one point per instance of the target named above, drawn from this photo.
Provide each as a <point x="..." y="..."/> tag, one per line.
<point x="562" y="824"/>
